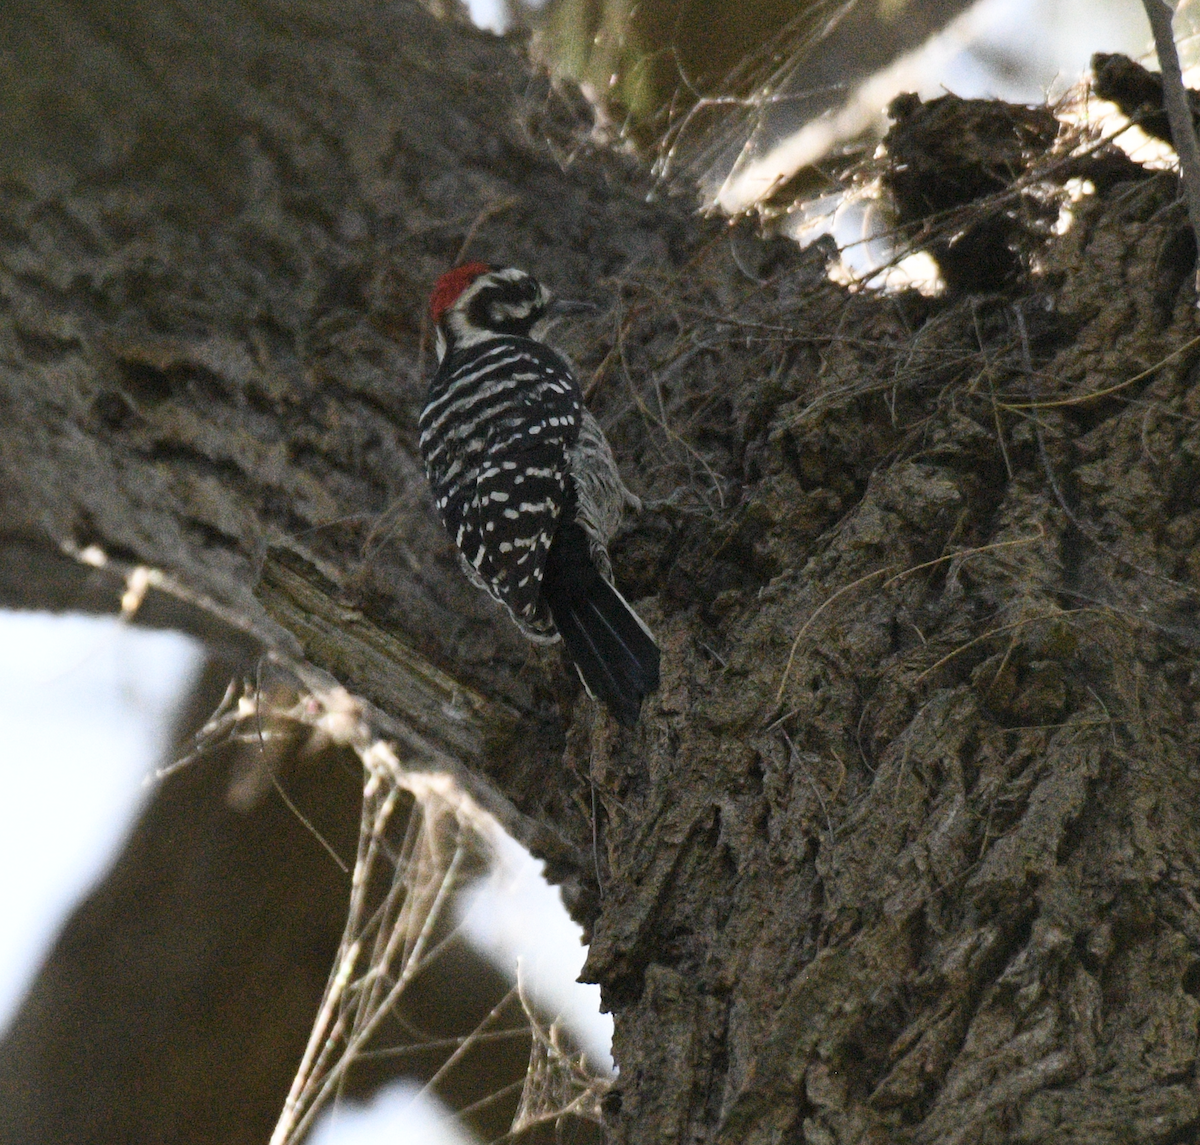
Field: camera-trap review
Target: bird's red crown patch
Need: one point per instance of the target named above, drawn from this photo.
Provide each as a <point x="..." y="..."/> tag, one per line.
<point x="451" y="285"/>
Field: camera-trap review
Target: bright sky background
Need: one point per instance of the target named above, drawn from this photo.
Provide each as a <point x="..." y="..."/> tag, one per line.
<point x="86" y="707"/>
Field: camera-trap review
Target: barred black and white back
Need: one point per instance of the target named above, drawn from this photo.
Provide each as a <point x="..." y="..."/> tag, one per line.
<point x="526" y="483"/>
<point x="495" y="435"/>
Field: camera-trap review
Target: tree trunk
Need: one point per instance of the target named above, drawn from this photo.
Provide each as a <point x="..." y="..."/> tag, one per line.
<point x="902" y="849"/>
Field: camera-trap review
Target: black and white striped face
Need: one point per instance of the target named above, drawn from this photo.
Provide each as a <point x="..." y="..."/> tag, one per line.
<point x="490" y="303"/>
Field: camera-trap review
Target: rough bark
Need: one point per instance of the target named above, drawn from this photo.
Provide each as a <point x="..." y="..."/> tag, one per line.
<point x="903" y="849"/>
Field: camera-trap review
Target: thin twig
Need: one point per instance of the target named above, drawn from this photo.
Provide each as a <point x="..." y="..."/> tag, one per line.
<point x="1084" y="530"/>
<point x="457" y="1056"/>
<point x="488" y="212"/>
<point x="1041" y="533"/>
<point x="309" y="826"/>
<point x="1179" y="111"/>
<point x="787" y="669"/>
<point x="996" y="632"/>
<point x="795" y="755"/>
<point x="1080" y="399"/>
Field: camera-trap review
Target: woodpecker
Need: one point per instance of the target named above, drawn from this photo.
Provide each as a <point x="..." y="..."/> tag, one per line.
<point x="525" y="481"/>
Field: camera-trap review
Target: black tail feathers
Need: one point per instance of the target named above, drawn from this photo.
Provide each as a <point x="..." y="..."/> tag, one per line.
<point x="614" y="652"/>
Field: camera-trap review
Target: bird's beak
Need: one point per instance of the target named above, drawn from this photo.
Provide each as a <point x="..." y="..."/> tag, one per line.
<point x="561" y="307"/>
